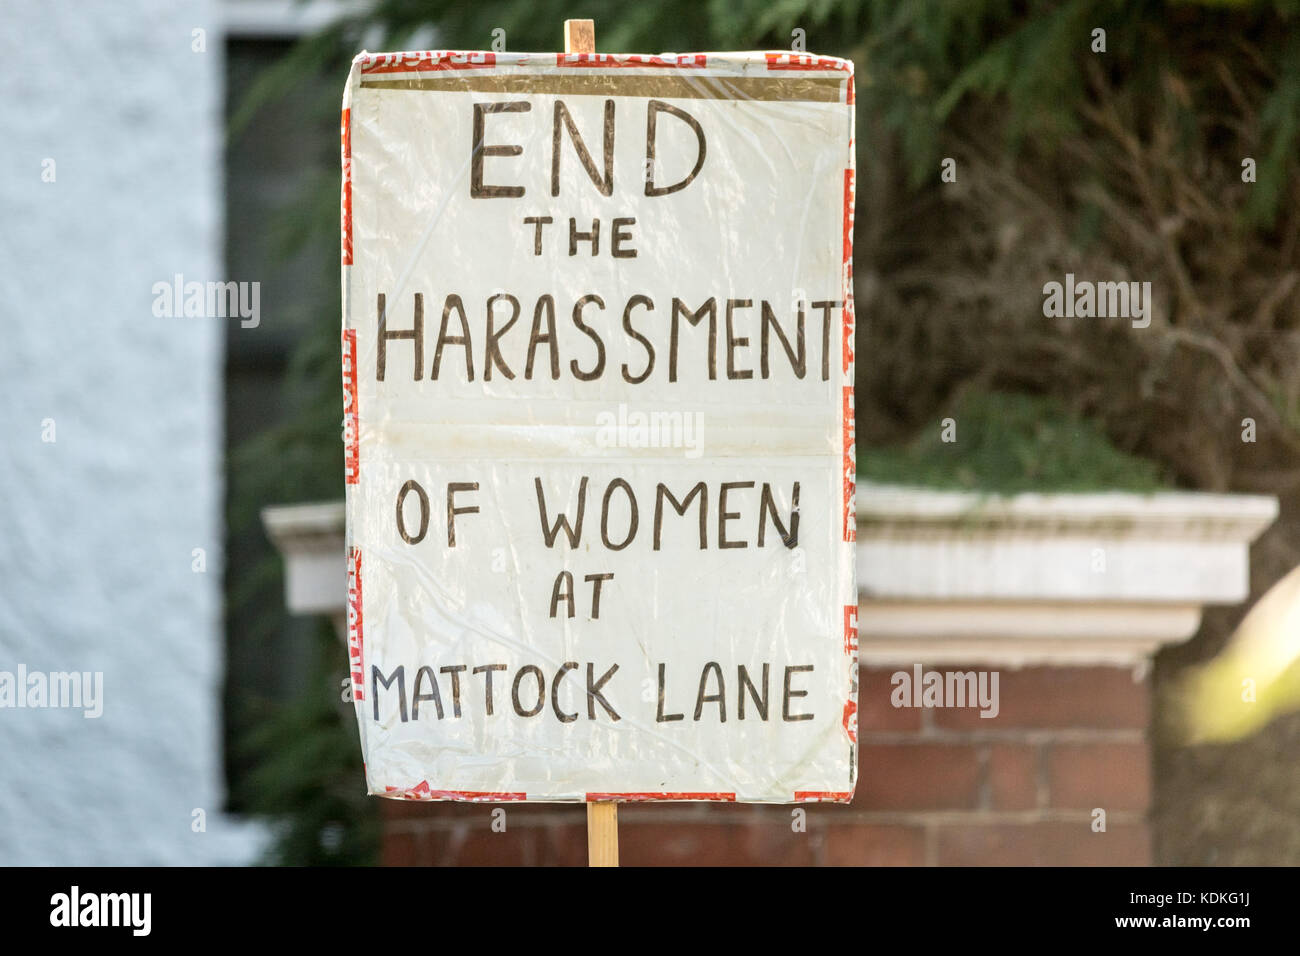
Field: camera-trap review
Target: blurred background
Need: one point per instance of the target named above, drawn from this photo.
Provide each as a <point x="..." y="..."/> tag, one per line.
<point x="1001" y="146"/>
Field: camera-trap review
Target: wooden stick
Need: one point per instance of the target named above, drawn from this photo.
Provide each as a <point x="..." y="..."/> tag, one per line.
<point x="602" y="816"/>
<point x="579" y="36"/>
<point x="602" y="833"/>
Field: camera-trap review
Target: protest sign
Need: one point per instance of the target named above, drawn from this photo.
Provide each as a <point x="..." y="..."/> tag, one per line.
<point x="598" y="380"/>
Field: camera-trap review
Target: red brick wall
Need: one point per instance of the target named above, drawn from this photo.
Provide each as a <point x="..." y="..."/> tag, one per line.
<point x="935" y="787"/>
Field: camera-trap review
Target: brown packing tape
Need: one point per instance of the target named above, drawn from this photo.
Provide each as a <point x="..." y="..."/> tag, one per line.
<point x="808" y="89"/>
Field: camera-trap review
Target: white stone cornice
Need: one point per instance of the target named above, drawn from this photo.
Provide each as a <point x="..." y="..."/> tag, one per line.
<point x="1045" y="578"/>
<point x="1167" y="515"/>
<point x="1018" y="634"/>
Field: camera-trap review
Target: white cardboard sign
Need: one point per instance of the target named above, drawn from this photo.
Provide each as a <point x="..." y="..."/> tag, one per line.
<point x="598" y="374"/>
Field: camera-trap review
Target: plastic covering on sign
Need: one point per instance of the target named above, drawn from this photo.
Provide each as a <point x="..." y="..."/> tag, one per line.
<point x="598" y="416"/>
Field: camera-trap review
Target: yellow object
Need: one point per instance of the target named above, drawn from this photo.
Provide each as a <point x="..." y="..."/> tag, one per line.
<point x="1255" y="677"/>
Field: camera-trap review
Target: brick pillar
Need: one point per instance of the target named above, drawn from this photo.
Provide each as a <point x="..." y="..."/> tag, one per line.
<point x="1020" y="788"/>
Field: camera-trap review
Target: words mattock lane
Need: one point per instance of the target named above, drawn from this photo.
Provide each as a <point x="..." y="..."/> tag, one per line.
<point x="528" y="695"/>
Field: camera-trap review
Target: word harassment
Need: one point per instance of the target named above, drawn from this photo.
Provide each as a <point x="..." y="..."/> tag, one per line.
<point x="723" y="332"/>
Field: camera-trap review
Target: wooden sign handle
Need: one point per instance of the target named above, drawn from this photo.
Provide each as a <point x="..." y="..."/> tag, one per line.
<point x="602" y="816"/>
<point x="579" y="36"/>
<point x="602" y="833"/>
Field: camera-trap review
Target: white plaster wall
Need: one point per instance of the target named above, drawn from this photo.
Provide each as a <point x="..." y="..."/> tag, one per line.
<point x="97" y="528"/>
